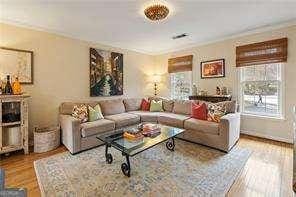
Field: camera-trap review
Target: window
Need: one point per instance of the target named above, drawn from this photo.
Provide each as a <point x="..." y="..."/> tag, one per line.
<point x="180" y="84"/>
<point x="261" y="89"/>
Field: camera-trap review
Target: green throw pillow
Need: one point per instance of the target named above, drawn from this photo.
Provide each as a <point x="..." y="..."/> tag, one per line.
<point x="156" y="106"/>
<point x="95" y="113"/>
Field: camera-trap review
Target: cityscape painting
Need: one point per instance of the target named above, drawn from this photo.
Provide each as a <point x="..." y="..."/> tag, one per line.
<point x="106" y="73"/>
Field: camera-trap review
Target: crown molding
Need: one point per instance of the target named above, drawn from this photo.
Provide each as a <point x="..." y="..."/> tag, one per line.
<point x="181" y="48"/>
<point x="246" y="32"/>
<point x="68" y="35"/>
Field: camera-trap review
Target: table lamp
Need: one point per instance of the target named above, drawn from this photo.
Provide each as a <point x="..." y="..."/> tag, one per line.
<point x="156" y="79"/>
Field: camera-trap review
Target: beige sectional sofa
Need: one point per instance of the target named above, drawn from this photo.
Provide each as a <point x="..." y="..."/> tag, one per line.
<point x="119" y="113"/>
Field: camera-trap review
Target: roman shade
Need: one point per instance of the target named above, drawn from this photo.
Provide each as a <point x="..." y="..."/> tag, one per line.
<point x="271" y="51"/>
<point x="180" y="64"/>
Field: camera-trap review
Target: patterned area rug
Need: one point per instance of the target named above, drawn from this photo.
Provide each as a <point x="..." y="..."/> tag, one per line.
<point x="191" y="170"/>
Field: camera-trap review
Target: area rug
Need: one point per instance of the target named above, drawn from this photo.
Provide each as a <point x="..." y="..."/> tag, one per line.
<point x="191" y="170"/>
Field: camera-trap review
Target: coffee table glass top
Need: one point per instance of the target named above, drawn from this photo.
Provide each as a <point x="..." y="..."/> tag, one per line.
<point x="116" y="140"/>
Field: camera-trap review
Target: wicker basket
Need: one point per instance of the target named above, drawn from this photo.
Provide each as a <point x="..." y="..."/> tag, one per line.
<point x="46" y="138"/>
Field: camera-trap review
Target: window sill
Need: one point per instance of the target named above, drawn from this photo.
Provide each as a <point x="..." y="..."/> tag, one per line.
<point x="273" y="118"/>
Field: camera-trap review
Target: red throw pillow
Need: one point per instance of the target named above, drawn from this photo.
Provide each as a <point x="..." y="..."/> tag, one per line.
<point x="145" y="105"/>
<point x="199" y="111"/>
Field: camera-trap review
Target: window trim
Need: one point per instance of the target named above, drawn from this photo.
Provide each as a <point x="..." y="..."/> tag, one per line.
<point x="170" y="83"/>
<point x="281" y="95"/>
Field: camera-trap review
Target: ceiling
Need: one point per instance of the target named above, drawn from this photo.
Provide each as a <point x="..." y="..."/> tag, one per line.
<point x="121" y="23"/>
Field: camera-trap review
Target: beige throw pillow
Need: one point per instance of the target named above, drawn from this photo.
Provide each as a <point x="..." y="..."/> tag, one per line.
<point x="182" y="107"/>
<point x="95" y="113"/>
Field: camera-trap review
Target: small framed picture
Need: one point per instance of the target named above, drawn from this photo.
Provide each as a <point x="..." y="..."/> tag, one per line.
<point x="212" y="69"/>
<point x="17" y="63"/>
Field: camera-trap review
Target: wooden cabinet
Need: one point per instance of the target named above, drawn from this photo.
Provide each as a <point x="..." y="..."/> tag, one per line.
<point x="211" y="98"/>
<point x="14" y="123"/>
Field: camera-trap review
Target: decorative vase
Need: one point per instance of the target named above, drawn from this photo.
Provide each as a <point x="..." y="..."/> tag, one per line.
<point x="218" y="91"/>
<point x="16" y="86"/>
<point x="224" y="91"/>
<point x="194" y="90"/>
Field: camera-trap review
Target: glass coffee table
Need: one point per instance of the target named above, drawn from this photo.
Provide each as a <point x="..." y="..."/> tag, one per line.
<point x="130" y="148"/>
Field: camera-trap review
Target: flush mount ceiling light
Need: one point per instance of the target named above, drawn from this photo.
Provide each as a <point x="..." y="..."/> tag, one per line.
<point x="156" y="12"/>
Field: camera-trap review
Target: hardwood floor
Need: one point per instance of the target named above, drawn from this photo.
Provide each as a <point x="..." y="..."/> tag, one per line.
<point x="268" y="172"/>
<point x="19" y="170"/>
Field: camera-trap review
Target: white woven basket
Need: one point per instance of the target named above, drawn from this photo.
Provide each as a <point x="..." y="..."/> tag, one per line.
<point x="46" y="138"/>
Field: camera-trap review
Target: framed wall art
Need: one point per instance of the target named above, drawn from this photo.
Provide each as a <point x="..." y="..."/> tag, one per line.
<point x="16" y="63"/>
<point x="212" y="68"/>
<point x="106" y="73"/>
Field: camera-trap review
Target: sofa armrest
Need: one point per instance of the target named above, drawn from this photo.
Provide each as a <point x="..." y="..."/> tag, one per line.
<point x="229" y="128"/>
<point x="71" y="135"/>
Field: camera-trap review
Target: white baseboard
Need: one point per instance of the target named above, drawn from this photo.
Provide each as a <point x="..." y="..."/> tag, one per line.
<point x="276" y="138"/>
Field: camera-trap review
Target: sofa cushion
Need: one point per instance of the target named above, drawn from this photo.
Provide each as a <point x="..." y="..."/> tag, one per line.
<point x="182" y="107"/>
<point x="199" y="111"/>
<point x="156" y="106"/>
<point x="171" y="119"/>
<point x="124" y="119"/>
<point x="201" y="126"/>
<point x="215" y="112"/>
<point x="80" y="112"/>
<point x="167" y="104"/>
<point x="95" y="113"/>
<point x="110" y="107"/>
<point x="66" y="108"/>
<point x="145" y="105"/>
<point x="96" y="127"/>
<point x="132" y="104"/>
<point x="228" y="106"/>
<point x="147" y="116"/>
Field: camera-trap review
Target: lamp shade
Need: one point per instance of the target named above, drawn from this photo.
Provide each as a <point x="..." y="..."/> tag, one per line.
<point x="156" y="78"/>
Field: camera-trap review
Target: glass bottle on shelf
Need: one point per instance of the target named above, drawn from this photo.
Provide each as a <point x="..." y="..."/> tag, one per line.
<point x="16" y="86"/>
<point x="8" y="88"/>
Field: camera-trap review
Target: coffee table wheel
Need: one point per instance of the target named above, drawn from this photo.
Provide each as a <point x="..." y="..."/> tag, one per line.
<point x="170" y="145"/>
<point x="125" y="169"/>
<point x="109" y="158"/>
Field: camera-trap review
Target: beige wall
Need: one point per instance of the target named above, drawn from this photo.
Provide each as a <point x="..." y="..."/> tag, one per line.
<point x="61" y="73"/>
<point x="61" y="70"/>
<point x="276" y="129"/>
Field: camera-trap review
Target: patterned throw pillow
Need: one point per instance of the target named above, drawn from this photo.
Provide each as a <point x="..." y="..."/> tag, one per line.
<point x="215" y="112"/>
<point x="80" y="112"/>
<point x="156" y="106"/>
<point x="95" y="113"/>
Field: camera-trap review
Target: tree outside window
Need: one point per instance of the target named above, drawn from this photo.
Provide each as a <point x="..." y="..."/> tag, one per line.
<point x="180" y="85"/>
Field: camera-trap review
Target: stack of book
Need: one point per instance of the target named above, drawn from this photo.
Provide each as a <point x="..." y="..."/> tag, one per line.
<point x="150" y="130"/>
<point x="144" y="130"/>
<point x="133" y="135"/>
